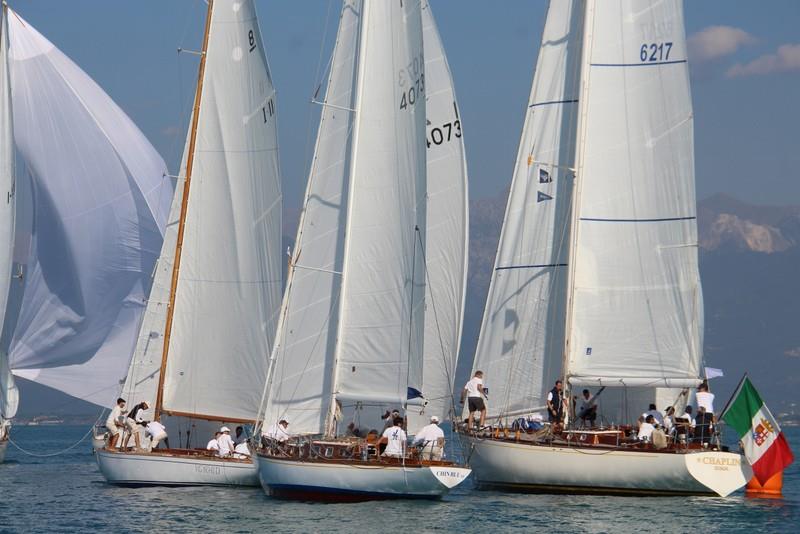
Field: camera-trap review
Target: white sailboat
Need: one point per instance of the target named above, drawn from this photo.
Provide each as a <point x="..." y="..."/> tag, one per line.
<point x="203" y="349"/>
<point x="353" y="323"/>
<point x="596" y="278"/>
<point x="91" y="200"/>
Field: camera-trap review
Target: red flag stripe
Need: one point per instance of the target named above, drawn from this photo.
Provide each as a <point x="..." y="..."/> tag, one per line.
<point x="775" y="459"/>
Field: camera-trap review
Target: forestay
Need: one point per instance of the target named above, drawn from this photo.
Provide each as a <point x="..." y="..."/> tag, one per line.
<point x="380" y="338"/>
<point x="300" y="384"/>
<point x="228" y="291"/>
<point x="522" y="334"/>
<point x="9" y="395"/>
<point x="89" y="242"/>
<point x="637" y="300"/>
<point x="447" y="229"/>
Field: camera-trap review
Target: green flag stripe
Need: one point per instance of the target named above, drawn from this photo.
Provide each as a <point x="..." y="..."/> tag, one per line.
<point x="741" y="411"/>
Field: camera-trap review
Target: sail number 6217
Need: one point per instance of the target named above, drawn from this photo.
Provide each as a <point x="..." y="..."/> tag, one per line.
<point x="655" y="51"/>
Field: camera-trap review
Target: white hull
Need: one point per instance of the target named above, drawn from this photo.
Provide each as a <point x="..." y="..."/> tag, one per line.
<point x="3" y="445"/>
<point x="526" y="467"/>
<point x="350" y="482"/>
<point x="165" y="469"/>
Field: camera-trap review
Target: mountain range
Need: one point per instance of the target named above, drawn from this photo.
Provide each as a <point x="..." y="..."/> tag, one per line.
<point x="750" y="269"/>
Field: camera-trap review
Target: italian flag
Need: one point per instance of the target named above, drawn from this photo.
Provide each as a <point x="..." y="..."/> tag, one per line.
<point x="765" y="446"/>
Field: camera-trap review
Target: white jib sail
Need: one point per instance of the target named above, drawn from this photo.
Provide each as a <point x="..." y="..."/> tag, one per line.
<point x="9" y="395"/>
<point x="300" y="383"/>
<point x="379" y="352"/>
<point x="100" y="201"/>
<point x="447" y="230"/>
<point x="522" y="335"/>
<point x="229" y="284"/>
<point x="636" y="299"/>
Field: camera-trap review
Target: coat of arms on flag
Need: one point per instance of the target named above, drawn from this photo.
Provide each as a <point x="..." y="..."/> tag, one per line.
<point x="764" y="444"/>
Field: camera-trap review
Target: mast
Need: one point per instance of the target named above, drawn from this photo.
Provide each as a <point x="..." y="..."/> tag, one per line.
<point x="583" y="103"/>
<point x="330" y="423"/>
<point x="182" y="221"/>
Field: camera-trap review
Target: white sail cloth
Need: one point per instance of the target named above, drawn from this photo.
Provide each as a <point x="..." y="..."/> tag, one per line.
<point x="100" y="199"/>
<point x="9" y="395"/>
<point x="300" y="385"/>
<point x="229" y="283"/>
<point x="637" y="302"/>
<point x="446" y="246"/>
<point x="522" y="335"/>
<point x="379" y="352"/>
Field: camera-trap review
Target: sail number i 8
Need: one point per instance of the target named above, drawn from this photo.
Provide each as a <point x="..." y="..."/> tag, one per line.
<point x="411" y="80"/>
<point x="655" y="52"/>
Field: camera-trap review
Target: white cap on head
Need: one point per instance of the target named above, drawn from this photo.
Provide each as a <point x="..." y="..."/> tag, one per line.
<point x="224" y="429"/>
<point x="434" y="419"/>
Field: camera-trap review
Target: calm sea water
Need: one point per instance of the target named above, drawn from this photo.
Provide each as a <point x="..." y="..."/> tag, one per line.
<point x="67" y="493"/>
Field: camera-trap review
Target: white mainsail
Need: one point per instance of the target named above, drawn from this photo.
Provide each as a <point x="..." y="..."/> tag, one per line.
<point x="446" y="246"/>
<point x="522" y="335"/>
<point x="636" y="296"/>
<point x="228" y="286"/>
<point x="381" y="322"/>
<point x="300" y="388"/>
<point x="94" y="227"/>
<point x="9" y="395"/>
<point x="364" y="216"/>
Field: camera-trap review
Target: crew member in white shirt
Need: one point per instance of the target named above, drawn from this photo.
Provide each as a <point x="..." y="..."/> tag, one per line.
<point x="395" y="439"/>
<point x="278" y="431"/>
<point x="669" y="415"/>
<point x="655" y="413"/>
<point x="646" y="428"/>
<point x="115" y="423"/>
<point x="705" y="398"/>
<point x="225" y="441"/>
<point x="213" y="444"/>
<point x="474" y="392"/>
<point x="431" y="437"/>
<point x="156" y="432"/>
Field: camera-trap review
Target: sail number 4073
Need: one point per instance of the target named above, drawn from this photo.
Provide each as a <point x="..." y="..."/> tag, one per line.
<point x="655" y="51"/>
<point x="411" y="80"/>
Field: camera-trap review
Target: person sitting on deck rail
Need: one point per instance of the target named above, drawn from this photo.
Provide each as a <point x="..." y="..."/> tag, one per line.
<point x="241" y="436"/>
<point x="395" y="439"/>
<point x="134" y="420"/>
<point x="156" y="432"/>
<point x="277" y="431"/>
<point x="225" y="441"/>
<point x="431" y="437"/>
<point x="646" y="428"/>
<point x="474" y="392"/>
<point x="115" y="422"/>
<point x="353" y="431"/>
<point x="213" y="444"/>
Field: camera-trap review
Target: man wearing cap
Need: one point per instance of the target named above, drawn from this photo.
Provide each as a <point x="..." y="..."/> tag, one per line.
<point x="278" y="431"/>
<point x="225" y="442"/>
<point x="431" y="437"/>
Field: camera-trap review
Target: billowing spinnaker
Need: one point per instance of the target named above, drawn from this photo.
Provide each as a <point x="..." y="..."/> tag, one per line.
<point x="100" y="201"/>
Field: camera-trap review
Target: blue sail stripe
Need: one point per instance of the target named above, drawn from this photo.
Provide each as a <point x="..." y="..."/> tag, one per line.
<point x="642" y="64"/>
<point x="543" y="265"/>
<point x="553" y="102"/>
<point x="664" y="219"/>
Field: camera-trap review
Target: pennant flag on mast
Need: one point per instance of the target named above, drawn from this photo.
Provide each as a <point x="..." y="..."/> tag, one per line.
<point x="765" y="446"/>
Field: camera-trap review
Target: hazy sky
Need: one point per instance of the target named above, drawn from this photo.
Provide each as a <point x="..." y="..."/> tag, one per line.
<point x="745" y="60"/>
